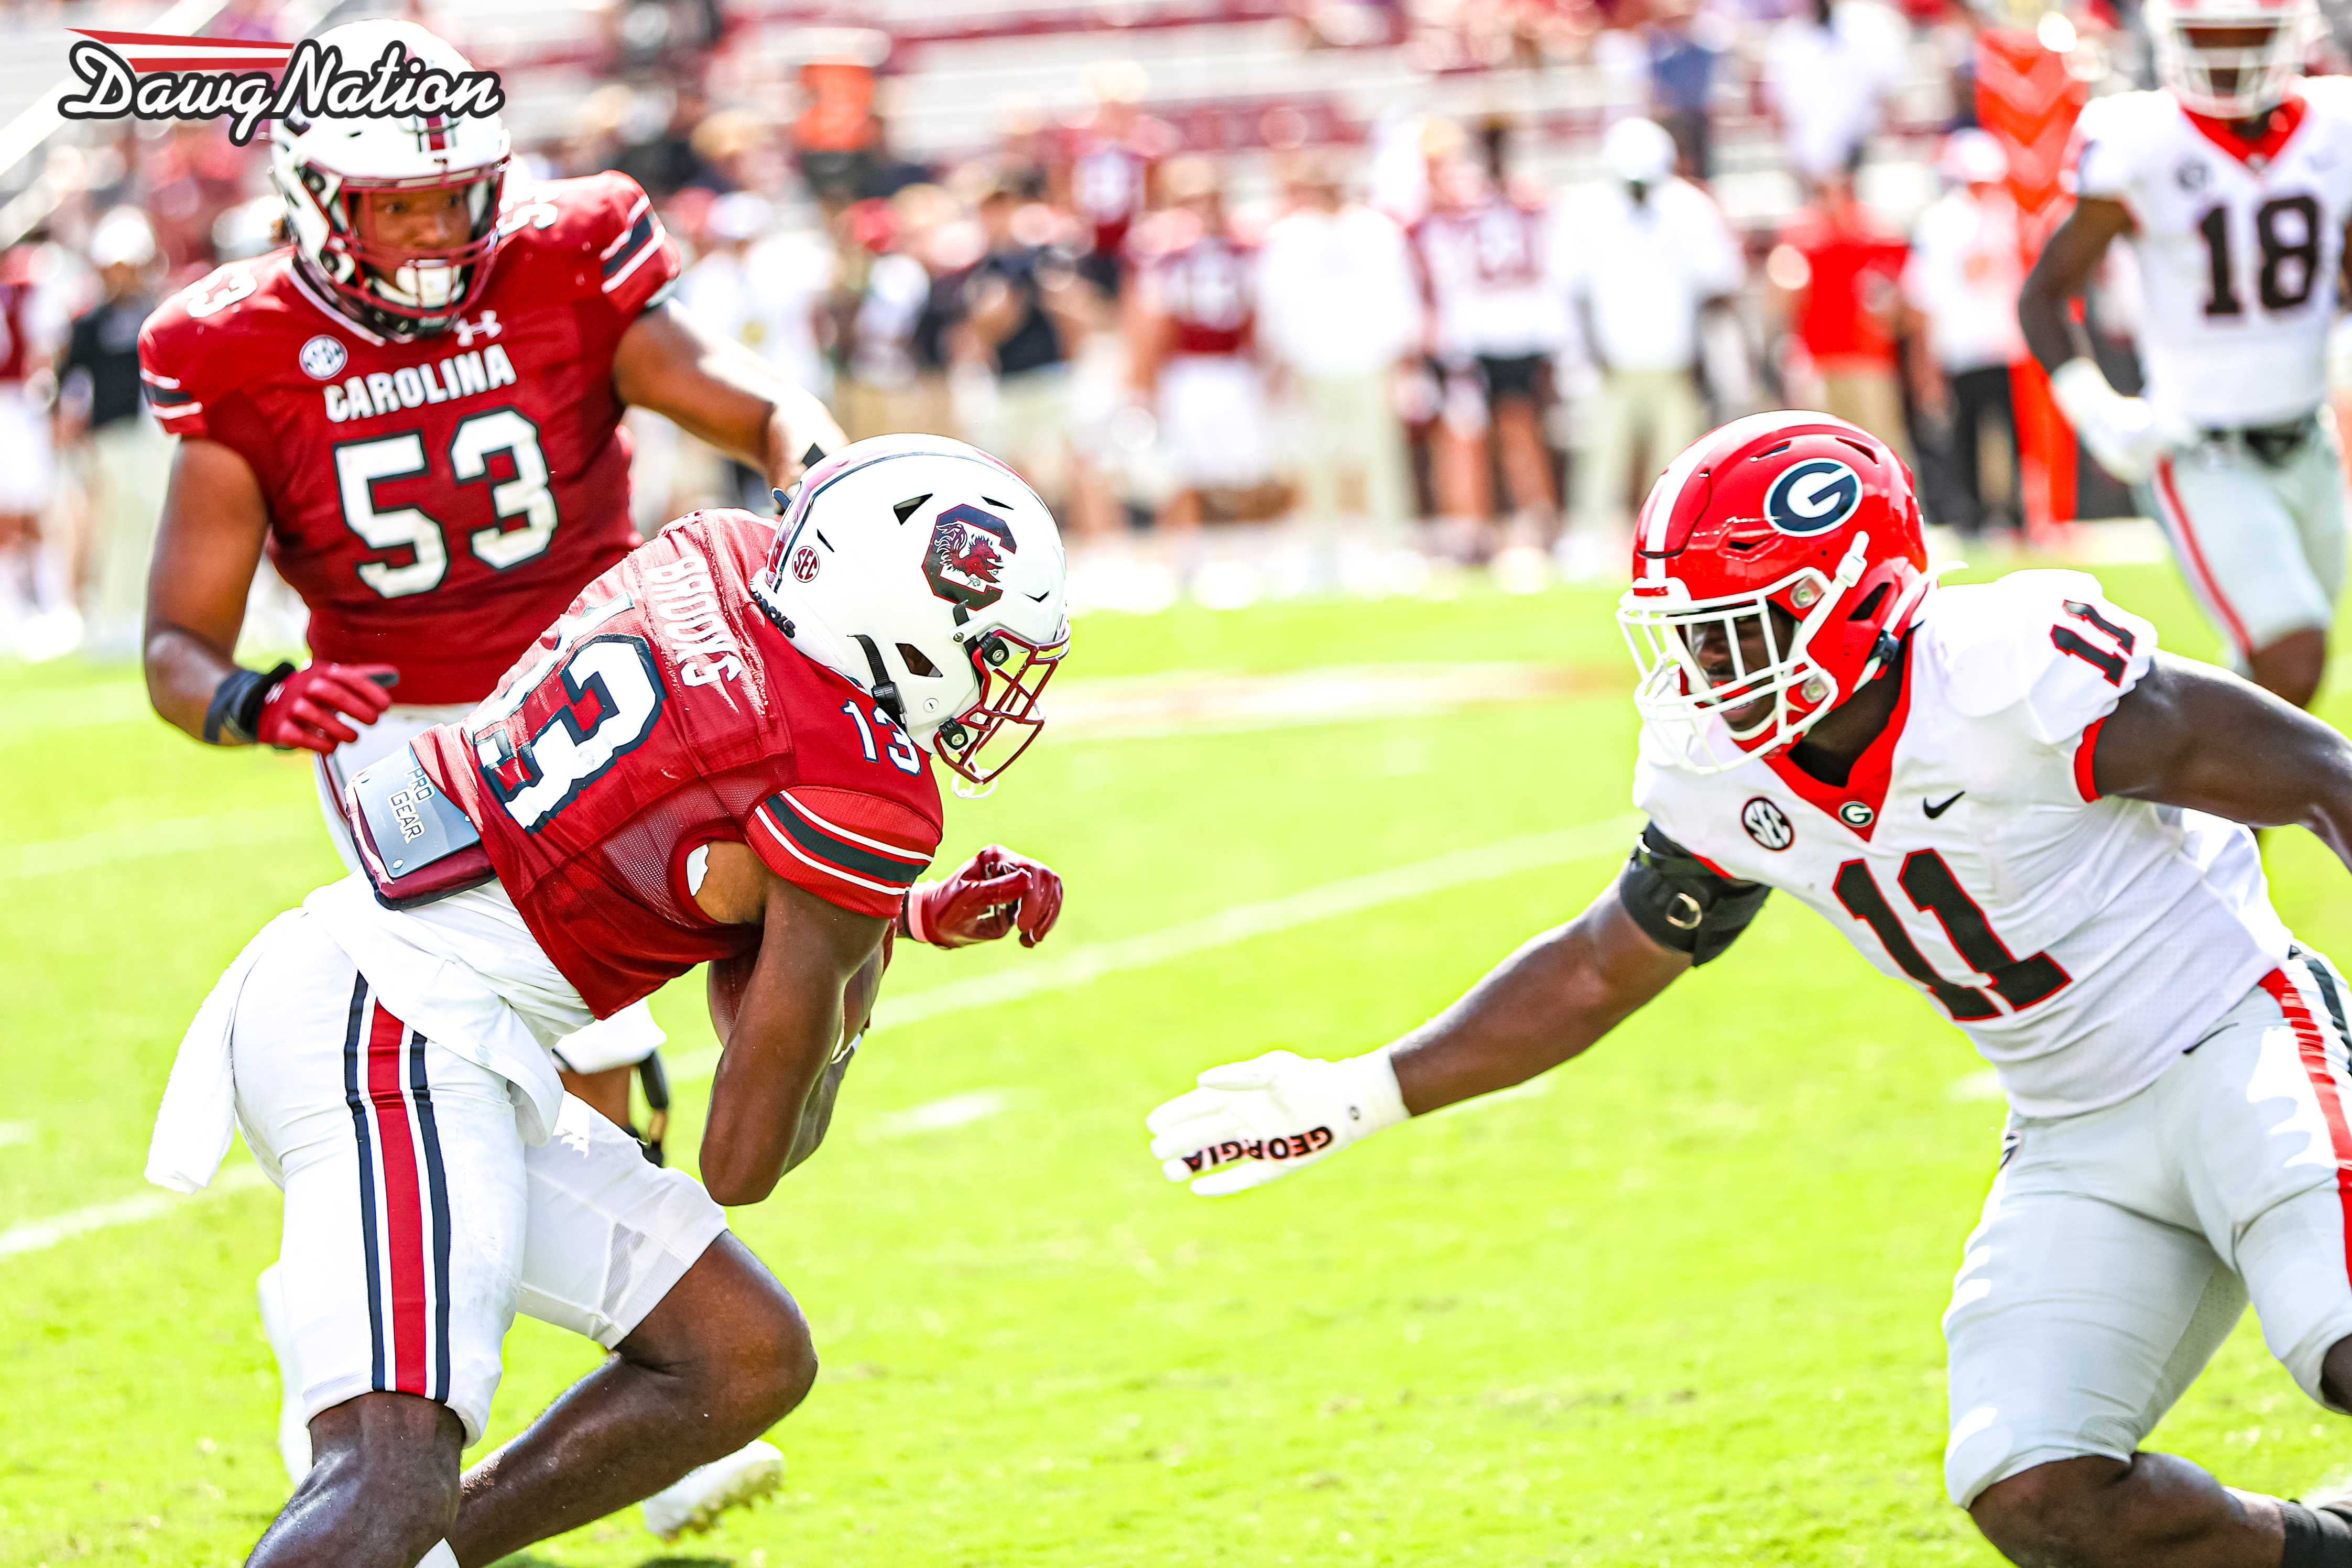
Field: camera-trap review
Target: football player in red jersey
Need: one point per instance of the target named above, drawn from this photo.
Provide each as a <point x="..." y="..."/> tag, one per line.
<point x="416" y="410"/>
<point x="721" y="753"/>
<point x="2009" y="800"/>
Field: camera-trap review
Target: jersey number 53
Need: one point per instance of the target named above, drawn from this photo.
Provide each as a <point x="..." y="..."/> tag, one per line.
<point x="524" y="504"/>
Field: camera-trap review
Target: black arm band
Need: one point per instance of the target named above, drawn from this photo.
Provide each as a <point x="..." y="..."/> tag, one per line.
<point x="235" y="710"/>
<point x="1684" y="903"/>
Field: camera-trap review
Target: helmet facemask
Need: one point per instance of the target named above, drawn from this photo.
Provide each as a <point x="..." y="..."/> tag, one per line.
<point x="982" y="741"/>
<point x="1742" y="657"/>
<point x="401" y="290"/>
<point x="2230" y="62"/>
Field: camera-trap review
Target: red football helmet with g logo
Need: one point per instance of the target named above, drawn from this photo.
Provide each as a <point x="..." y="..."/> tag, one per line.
<point x="1797" y="512"/>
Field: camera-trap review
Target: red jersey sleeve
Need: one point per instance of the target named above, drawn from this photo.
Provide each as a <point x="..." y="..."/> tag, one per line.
<point x="636" y="258"/>
<point x="174" y="357"/>
<point x="861" y="852"/>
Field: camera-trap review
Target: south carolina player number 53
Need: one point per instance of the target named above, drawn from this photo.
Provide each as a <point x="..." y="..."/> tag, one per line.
<point x="525" y="499"/>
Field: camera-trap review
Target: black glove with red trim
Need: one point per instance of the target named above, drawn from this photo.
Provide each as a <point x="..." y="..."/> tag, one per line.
<point x="991" y="895"/>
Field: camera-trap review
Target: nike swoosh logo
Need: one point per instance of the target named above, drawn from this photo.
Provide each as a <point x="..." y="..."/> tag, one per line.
<point x="1933" y="810"/>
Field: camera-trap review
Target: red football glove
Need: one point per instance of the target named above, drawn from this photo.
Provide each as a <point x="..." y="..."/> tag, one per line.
<point x="310" y="706"/>
<point x="991" y="895"/>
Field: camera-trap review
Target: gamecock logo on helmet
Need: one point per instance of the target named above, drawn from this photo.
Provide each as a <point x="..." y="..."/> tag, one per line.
<point x="967" y="556"/>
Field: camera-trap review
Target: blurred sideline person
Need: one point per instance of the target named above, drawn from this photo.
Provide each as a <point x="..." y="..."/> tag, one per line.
<point x="416" y="410"/>
<point x="35" y="593"/>
<point x="2001" y="793"/>
<point x="752" y="790"/>
<point x="123" y="457"/>
<point x="1643" y="258"/>
<point x="1023" y="308"/>
<point x="763" y="290"/>
<point x="1962" y="281"/>
<point x="1193" y="354"/>
<point x="1827" y="72"/>
<point x="1837" y="268"/>
<point x="1496" y="317"/>
<point x="1338" y="317"/>
<point x="2234" y="184"/>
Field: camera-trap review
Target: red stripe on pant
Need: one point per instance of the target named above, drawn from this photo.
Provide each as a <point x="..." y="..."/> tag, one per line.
<point x="2312" y="1047"/>
<point x="403" y="1207"/>
<point x="2204" y="573"/>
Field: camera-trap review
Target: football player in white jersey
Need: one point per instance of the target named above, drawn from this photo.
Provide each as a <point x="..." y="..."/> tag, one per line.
<point x="2005" y="798"/>
<point x="2233" y="185"/>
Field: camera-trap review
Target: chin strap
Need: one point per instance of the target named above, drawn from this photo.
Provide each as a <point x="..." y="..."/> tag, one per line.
<point x="886" y="690"/>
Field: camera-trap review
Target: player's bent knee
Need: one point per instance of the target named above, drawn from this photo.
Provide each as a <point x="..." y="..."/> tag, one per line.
<point x="2056" y="1513"/>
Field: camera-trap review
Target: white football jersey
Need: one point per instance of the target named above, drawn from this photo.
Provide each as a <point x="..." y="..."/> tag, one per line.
<point x="2237" y="251"/>
<point x="2083" y="944"/>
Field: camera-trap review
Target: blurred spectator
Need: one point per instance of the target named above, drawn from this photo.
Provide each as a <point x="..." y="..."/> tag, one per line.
<point x="1683" y="50"/>
<point x="767" y="291"/>
<point x="1339" y="313"/>
<point x="1644" y="257"/>
<point x="34" y="592"/>
<point x="122" y="456"/>
<point x="1023" y="305"/>
<point x="1836" y="271"/>
<point x="894" y="376"/>
<point x="837" y="136"/>
<point x="1827" y="71"/>
<point x="1193" y="348"/>
<point x="1106" y="176"/>
<point x="1498" y="317"/>
<point x="1963" y="279"/>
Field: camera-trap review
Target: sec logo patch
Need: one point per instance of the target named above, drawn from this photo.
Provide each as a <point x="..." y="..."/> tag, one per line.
<point x="324" y="358"/>
<point x="1812" y="497"/>
<point x="805" y="563"/>
<point x="1768" y="824"/>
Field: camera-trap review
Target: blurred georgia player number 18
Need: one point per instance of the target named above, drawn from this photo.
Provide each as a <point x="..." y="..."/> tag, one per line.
<point x="165" y="76"/>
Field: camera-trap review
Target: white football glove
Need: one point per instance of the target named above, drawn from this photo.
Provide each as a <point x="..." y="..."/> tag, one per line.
<point x="1252" y="1122"/>
<point x="2126" y="435"/>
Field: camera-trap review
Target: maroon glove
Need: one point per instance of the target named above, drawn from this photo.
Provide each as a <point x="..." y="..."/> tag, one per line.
<point x="991" y="895"/>
<point x="317" y="707"/>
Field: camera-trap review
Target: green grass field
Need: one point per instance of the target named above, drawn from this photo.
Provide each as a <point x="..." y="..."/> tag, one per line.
<point x="1679" y="1307"/>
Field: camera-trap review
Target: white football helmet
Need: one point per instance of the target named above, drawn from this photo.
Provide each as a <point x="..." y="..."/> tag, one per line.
<point x="322" y="168"/>
<point x="2239" y="79"/>
<point x="926" y="572"/>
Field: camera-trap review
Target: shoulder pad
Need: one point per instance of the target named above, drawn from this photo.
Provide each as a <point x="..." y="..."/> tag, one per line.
<point x="2047" y="644"/>
<point x="2327" y="95"/>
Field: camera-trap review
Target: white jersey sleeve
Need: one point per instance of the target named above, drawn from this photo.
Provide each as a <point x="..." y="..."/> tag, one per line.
<point x="2113" y="138"/>
<point x="2043" y="654"/>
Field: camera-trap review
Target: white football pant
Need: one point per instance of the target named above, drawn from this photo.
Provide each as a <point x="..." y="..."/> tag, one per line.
<point x="2119" y="1246"/>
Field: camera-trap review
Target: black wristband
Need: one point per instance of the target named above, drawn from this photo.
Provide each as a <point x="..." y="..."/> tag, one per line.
<point x="235" y="712"/>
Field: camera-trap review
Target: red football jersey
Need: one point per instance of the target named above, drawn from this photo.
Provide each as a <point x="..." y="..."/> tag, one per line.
<point x="663" y="712"/>
<point x="1206" y="292"/>
<point x="437" y="502"/>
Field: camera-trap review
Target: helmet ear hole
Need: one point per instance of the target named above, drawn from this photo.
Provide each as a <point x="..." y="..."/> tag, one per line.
<point x="1868" y="609"/>
<point x="916" y="664"/>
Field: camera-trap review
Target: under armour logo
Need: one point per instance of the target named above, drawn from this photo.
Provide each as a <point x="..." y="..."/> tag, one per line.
<point x="486" y="326"/>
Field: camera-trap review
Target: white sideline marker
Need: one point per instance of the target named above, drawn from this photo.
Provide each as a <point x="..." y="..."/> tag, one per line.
<point x="38" y="1234"/>
<point x="1241" y="923"/>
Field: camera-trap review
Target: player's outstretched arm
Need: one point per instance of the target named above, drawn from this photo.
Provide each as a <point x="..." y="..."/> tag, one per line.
<point x="1250" y="1122"/>
<point x="779" y="1017"/>
<point x="2190" y="735"/>
<point x="718" y="391"/>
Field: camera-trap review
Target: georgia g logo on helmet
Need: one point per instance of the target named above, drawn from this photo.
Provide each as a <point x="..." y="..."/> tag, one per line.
<point x="1812" y="497"/>
<point x="963" y="563"/>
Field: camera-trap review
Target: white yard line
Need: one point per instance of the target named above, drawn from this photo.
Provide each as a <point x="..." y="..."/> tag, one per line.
<point x="1241" y="923"/>
<point x="142" y="840"/>
<point x="38" y="1234"/>
<point x="939" y="1115"/>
